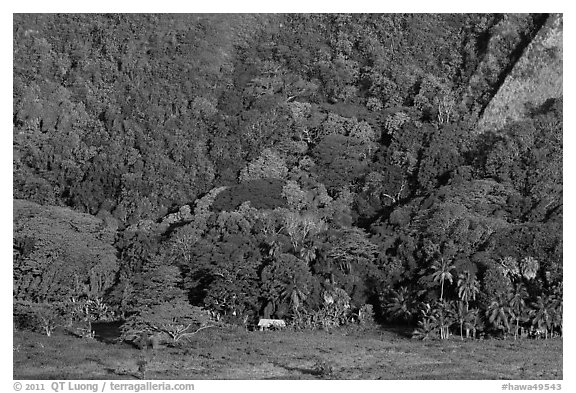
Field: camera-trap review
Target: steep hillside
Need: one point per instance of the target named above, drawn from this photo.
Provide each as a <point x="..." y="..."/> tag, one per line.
<point x="535" y="78"/>
<point x="324" y="168"/>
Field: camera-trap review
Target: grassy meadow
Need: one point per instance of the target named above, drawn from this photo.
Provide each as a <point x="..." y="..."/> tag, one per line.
<point x="230" y="353"/>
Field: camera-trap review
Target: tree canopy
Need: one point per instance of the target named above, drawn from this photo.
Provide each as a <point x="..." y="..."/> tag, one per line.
<point x="269" y="164"/>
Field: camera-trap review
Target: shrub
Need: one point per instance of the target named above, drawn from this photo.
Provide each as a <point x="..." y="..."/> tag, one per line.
<point x="177" y="320"/>
<point x="366" y="315"/>
<point x="40" y="317"/>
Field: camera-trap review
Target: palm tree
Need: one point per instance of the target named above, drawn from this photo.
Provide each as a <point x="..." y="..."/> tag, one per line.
<point x="295" y="294"/>
<point x="498" y="313"/>
<point x="473" y="322"/>
<point x="428" y="323"/>
<point x="460" y="314"/>
<point x="541" y="314"/>
<point x="468" y="287"/>
<point x="467" y="319"/>
<point x="401" y="304"/>
<point x="444" y="314"/>
<point x="308" y="253"/>
<point x="517" y="304"/>
<point x="556" y="305"/>
<point x="442" y="273"/>
<point x="426" y="328"/>
<point x="296" y="297"/>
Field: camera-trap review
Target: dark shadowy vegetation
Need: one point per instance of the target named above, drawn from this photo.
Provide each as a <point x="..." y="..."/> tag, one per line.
<point x="180" y="172"/>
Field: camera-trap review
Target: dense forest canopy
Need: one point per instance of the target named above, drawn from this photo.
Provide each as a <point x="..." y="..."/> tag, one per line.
<point x="306" y="167"/>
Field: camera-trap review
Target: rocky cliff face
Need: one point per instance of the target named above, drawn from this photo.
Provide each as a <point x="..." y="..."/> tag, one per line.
<point x="536" y="77"/>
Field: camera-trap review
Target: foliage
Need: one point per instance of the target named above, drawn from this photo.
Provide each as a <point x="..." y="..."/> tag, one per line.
<point x="158" y="305"/>
<point x="60" y="253"/>
<point x="498" y="314"/>
<point x="287" y="280"/>
<point x="517" y="303"/>
<point x="427" y="324"/>
<point x="265" y="164"/>
<point x="334" y="312"/>
<point x="268" y="166"/>
<point x="41" y="317"/>
<point x="366" y="315"/>
<point x="223" y="275"/>
<point x="441" y="272"/>
<point x="468" y="287"/>
<point x="262" y="194"/>
<point x="176" y="319"/>
<point x="401" y="305"/>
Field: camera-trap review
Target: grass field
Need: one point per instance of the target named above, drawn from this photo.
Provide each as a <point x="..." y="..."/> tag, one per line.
<point x="228" y="353"/>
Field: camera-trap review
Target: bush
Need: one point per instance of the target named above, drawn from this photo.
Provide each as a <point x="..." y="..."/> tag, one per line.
<point x="175" y="320"/>
<point x="366" y="315"/>
<point x="40" y="317"/>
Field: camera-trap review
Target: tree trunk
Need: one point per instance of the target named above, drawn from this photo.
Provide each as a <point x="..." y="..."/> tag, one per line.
<point x="441" y="290"/>
<point x="441" y="325"/>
